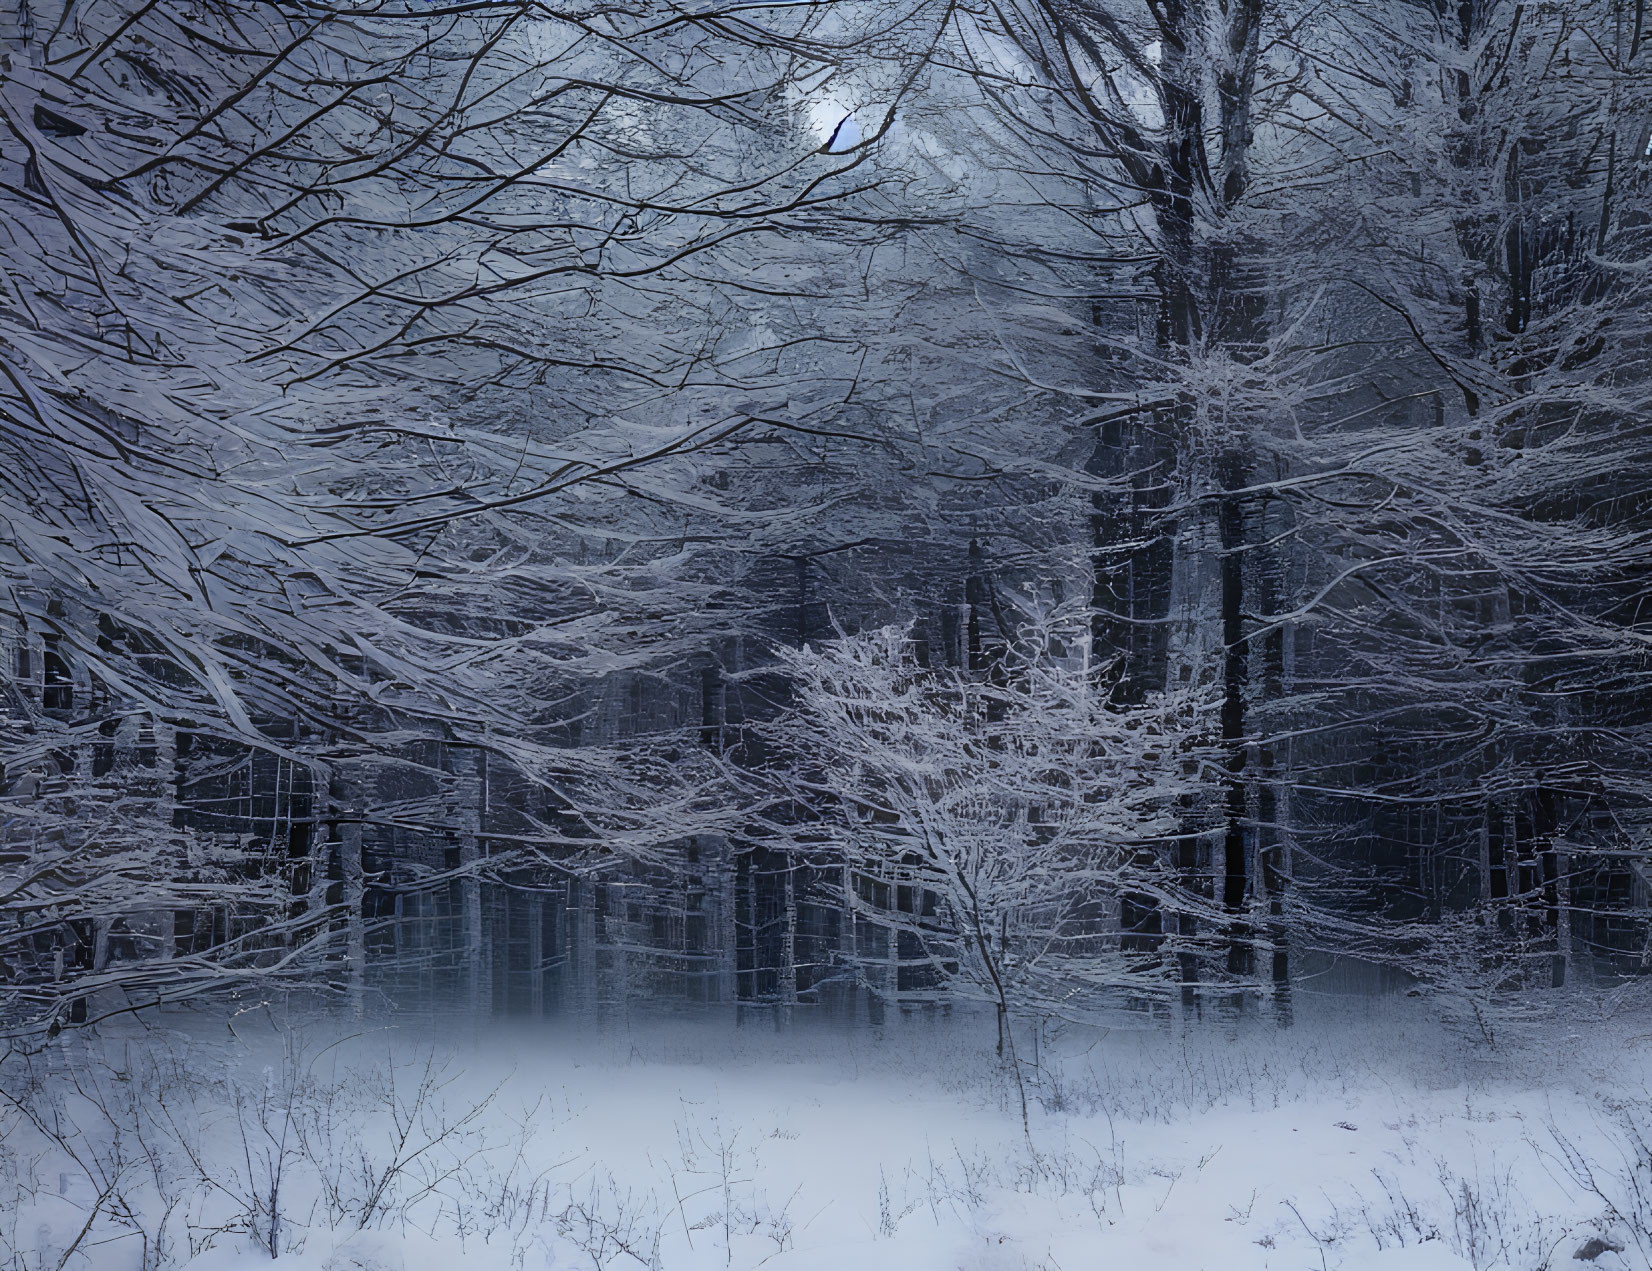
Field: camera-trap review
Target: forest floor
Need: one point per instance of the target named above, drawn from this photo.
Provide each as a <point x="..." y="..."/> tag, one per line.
<point x="1377" y="1140"/>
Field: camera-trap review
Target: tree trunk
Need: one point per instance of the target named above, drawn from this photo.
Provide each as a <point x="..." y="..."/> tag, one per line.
<point x="355" y="919"/>
<point x="476" y="954"/>
<point x="536" y="953"/>
<point x="1235" y="736"/>
<point x="788" y="951"/>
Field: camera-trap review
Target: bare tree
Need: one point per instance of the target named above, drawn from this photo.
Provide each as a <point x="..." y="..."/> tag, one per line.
<point x="998" y="828"/>
<point x="336" y="348"/>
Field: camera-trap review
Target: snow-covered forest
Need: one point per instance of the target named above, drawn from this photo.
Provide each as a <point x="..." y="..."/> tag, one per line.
<point x="1086" y="562"/>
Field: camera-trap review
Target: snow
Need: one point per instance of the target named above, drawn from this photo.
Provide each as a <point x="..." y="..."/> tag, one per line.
<point x="1381" y="1145"/>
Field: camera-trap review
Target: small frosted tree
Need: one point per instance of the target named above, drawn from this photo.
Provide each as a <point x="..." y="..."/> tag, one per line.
<point x="1023" y="807"/>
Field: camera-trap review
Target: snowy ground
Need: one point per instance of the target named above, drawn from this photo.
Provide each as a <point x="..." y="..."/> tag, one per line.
<point x="1378" y="1142"/>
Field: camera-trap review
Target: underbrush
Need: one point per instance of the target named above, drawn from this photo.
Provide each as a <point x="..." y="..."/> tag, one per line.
<point x="147" y="1156"/>
<point x="684" y="1149"/>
